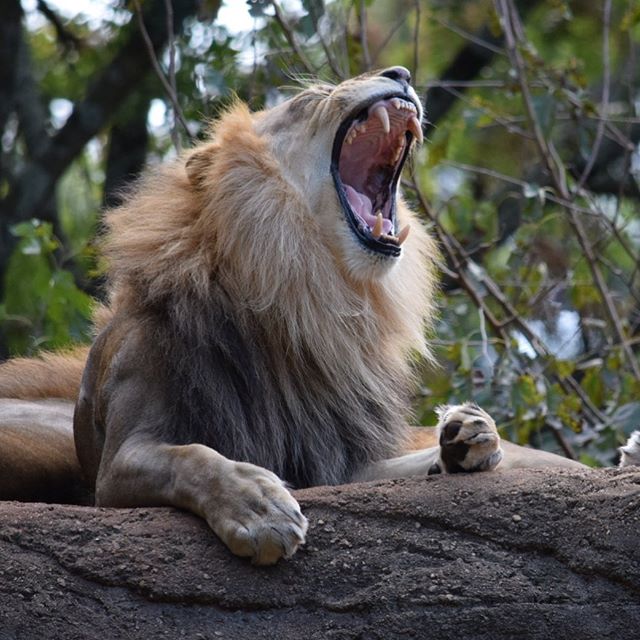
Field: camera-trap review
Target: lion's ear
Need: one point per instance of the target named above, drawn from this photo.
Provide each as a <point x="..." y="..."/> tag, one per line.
<point x="198" y="163"/>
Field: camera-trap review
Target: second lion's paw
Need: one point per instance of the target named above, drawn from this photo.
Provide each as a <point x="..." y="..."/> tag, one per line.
<point x="469" y="440"/>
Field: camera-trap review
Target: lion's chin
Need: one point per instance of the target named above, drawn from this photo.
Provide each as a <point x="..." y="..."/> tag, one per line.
<point x="369" y="151"/>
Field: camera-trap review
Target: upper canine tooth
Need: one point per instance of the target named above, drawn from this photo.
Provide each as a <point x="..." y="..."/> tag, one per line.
<point x="396" y="102"/>
<point x="376" y="232"/>
<point x="381" y="113"/>
<point x="415" y="128"/>
<point x="402" y="236"/>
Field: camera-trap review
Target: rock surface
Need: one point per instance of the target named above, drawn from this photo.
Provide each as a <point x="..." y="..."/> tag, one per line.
<point x="520" y="554"/>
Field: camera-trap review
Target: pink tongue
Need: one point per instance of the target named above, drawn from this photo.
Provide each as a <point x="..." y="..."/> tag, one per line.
<point x="361" y="206"/>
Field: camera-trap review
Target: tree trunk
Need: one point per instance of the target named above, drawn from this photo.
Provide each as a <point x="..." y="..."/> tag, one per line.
<point x="527" y="554"/>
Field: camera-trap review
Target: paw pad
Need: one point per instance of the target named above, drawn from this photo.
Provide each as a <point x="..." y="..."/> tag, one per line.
<point x="469" y="440"/>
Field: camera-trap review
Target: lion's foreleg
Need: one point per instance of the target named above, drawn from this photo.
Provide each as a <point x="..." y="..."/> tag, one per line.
<point x="410" y="465"/>
<point x="248" y="507"/>
<point x="123" y="434"/>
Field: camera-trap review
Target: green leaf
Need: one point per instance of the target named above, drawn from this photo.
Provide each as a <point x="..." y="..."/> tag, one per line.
<point x="564" y="368"/>
<point x="545" y="109"/>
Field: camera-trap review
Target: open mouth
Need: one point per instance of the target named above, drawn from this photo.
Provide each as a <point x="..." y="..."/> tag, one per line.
<point x="369" y="152"/>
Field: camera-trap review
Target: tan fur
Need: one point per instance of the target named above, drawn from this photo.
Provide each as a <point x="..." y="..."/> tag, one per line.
<point x="38" y="434"/>
<point x="49" y="375"/>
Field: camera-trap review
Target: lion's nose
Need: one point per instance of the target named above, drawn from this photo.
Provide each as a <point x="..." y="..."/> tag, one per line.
<point x="399" y="74"/>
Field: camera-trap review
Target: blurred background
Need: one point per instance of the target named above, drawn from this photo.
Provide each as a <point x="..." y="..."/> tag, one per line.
<point x="529" y="177"/>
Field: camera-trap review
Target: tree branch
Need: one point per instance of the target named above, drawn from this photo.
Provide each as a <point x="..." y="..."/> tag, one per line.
<point x="604" y="102"/>
<point x="10" y="35"/>
<point x="471" y="59"/>
<point x="105" y="95"/>
<point x="168" y="84"/>
<point x="65" y="37"/>
<point x="291" y="39"/>
<point x="32" y="113"/>
<point x="514" y="38"/>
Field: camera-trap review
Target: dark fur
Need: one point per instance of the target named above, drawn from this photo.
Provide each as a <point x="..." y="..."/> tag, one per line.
<point x="222" y="382"/>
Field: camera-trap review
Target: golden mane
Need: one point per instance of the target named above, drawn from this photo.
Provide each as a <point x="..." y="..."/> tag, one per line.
<point x="226" y="210"/>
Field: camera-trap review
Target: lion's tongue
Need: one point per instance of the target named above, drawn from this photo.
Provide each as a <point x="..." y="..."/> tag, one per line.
<point x="361" y="206"/>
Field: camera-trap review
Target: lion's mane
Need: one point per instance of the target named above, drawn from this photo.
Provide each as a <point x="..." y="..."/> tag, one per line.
<point x="271" y="350"/>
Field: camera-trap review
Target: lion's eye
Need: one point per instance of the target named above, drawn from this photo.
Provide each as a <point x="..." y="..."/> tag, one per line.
<point x="369" y="152"/>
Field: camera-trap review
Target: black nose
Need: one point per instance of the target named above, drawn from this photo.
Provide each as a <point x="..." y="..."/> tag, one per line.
<point x="399" y="74"/>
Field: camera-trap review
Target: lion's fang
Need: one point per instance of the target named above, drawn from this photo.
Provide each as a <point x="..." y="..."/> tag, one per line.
<point x="402" y="236"/>
<point x="376" y="232"/>
<point x="381" y="113"/>
<point x="415" y="128"/>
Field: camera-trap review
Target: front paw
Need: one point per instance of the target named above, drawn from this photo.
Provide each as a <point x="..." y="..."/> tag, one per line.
<point x="256" y="516"/>
<point x="469" y="440"/>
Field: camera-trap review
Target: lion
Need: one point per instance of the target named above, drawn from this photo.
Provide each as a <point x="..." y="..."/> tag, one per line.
<point x="269" y="291"/>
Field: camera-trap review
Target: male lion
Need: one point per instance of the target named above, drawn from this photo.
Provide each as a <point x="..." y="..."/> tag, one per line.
<point x="267" y="292"/>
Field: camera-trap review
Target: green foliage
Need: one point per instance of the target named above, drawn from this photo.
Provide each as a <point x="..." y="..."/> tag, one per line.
<point x="552" y="369"/>
<point x="43" y="307"/>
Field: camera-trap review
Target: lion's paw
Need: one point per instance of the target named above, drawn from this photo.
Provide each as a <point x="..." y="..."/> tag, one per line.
<point x="469" y="440"/>
<point x="630" y="453"/>
<point x="257" y="517"/>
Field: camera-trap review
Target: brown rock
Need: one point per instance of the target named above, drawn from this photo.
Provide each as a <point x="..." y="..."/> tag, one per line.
<point x="568" y="568"/>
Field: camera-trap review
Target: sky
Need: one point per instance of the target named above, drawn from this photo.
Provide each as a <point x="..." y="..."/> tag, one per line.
<point x="234" y="14"/>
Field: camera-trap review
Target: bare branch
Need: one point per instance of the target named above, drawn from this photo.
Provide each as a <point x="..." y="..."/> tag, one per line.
<point x="175" y="136"/>
<point x="65" y="37"/>
<point x="292" y="40"/>
<point x="460" y="260"/>
<point x="168" y="88"/>
<point x="513" y="31"/>
<point x="604" y="102"/>
<point x="392" y="32"/>
<point x="364" y="40"/>
<point x="416" y="40"/>
<point x="331" y="60"/>
<point x="478" y="52"/>
<point x="477" y="39"/>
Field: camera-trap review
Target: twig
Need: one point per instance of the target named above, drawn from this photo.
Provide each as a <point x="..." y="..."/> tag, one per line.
<point x="416" y="41"/>
<point x="392" y="32"/>
<point x="516" y="182"/>
<point x="504" y="122"/>
<point x="175" y="136"/>
<point x="469" y="36"/>
<point x="66" y="38"/>
<point x="460" y="259"/>
<point x="364" y="43"/>
<point x="510" y="26"/>
<point x="483" y="335"/>
<point x="567" y="449"/>
<point x="333" y="64"/>
<point x="472" y="84"/>
<point x="513" y="30"/>
<point x="594" y="211"/>
<point x="604" y="102"/>
<point x="173" y="98"/>
<point x="449" y="245"/>
<point x="291" y="39"/>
